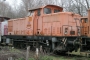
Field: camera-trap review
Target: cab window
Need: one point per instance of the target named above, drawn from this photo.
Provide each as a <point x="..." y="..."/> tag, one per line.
<point x="85" y="20"/>
<point x="30" y="13"/>
<point x="55" y="11"/>
<point x="47" y="10"/>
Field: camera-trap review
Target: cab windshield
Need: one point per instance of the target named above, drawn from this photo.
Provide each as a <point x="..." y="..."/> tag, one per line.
<point x="47" y="10"/>
<point x="31" y="13"/>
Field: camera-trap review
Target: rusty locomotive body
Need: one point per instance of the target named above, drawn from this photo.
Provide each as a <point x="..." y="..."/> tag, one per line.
<point x="49" y="27"/>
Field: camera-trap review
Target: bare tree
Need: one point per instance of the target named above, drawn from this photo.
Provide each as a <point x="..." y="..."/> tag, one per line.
<point x="4" y="9"/>
<point x="76" y="6"/>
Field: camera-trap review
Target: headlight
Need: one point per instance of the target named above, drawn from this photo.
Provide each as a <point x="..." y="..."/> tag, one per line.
<point x="66" y="31"/>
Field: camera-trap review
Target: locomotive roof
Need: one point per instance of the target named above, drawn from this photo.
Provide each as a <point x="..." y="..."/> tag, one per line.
<point x="84" y="17"/>
<point x="2" y="18"/>
<point x="40" y="7"/>
<point x="5" y="18"/>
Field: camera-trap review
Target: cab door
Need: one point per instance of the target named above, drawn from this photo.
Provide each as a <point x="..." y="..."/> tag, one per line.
<point x="37" y="22"/>
<point x="84" y="27"/>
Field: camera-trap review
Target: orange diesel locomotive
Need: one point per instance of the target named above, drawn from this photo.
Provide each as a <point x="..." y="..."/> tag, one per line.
<point x="46" y="26"/>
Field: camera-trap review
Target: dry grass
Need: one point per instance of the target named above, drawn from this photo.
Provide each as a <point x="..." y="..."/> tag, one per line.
<point x="18" y="54"/>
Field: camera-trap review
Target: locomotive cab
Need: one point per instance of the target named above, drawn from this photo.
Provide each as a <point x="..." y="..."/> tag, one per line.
<point x="84" y="26"/>
<point x="41" y="16"/>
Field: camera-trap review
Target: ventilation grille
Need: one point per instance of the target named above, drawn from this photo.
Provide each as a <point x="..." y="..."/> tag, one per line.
<point x="72" y="32"/>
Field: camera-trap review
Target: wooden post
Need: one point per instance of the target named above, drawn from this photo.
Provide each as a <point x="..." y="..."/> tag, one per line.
<point x="10" y="58"/>
<point x="68" y="53"/>
<point x="41" y="49"/>
<point x="27" y="55"/>
<point x="37" y="54"/>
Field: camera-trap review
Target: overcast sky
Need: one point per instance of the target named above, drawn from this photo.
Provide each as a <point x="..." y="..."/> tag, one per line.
<point x="13" y="2"/>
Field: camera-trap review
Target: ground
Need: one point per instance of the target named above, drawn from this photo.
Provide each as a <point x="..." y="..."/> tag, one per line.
<point x="20" y="54"/>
